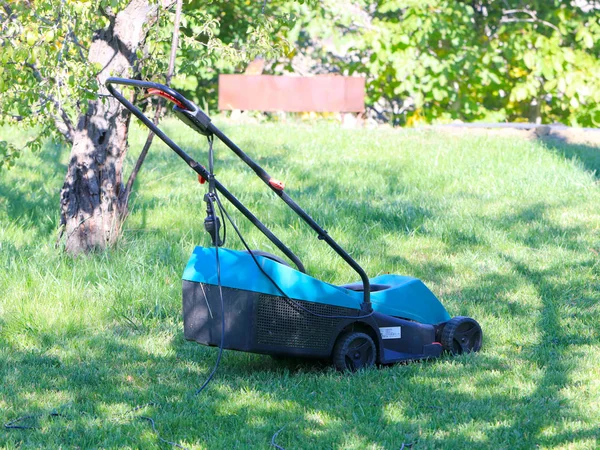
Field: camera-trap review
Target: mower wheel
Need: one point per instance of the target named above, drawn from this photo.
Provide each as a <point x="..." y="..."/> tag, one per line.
<point x="354" y="351"/>
<point x="462" y="335"/>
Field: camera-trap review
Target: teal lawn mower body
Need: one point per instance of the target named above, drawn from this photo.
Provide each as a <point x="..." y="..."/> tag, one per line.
<point x="255" y="301"/>
<point x="398" y="296"/>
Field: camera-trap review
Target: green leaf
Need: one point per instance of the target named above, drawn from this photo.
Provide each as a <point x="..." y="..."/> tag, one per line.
<point x="574" y="102"/>
<point x="569" y="55"/>
<point x="438" y="94"/>
<point x="557" y="62"/>
<point x="519" y="93"/>
<point x="584" y="36"/>
<point x="529" y="60"/>
<point x="550" y="85"/>
<point x="548" y="70"/>
<point x="31" y="38"/>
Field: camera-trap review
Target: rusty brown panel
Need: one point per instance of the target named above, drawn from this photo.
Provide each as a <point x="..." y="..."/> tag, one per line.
<point x="291" y="94"/>
<point x="354" y="100"/>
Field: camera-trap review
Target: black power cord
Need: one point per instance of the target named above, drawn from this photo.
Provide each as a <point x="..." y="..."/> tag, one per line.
<point x="222" y="340"/>
<point x="151" y="420"/>
<point x="210" y="199"/>
<point x="16" y="424"/>
<point x="273" y="443"/>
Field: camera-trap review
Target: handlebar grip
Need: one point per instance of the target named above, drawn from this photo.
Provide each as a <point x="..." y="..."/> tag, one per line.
<point x="150" y="85"/>
<point x="186" y="110"/>
<point x="163" y="94"/>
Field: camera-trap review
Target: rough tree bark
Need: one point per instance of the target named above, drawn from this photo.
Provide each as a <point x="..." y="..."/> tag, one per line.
<point x="92" y="203"/>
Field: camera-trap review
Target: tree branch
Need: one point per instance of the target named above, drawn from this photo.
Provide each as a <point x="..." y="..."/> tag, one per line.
<point x="62" y="121"/>
<point x="80" y="47"/>
<point x="159" y="107"/>
<point x="532" y="14"/>
<point x="7" y="10"/>
<point x="108" y="14"/>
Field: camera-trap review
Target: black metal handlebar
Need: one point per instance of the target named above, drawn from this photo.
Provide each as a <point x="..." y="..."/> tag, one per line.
<point x="151" y="85"/>
<point x="194" y="117"/>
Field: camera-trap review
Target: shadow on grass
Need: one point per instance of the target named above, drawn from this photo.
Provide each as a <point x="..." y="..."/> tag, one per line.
<point x="103" y="376"/>
<point x="110" y="373"/>
<point x="531" y="227"/>
<point x="554" y="354"/>
<point x="560" y="287"/>
<point x="587" y="155"/>
<point x="96" y="392"/>
<point x="324" y="199"/>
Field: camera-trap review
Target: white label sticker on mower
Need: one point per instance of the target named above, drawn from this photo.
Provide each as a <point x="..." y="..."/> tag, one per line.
<point x="390" y="332"/>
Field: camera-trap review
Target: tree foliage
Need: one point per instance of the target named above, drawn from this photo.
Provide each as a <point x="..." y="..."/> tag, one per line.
<point x="46" y="79"/>
<point x="426" y="60"/>
<point x="477" y="60"/>
<point x="223" y="36"/>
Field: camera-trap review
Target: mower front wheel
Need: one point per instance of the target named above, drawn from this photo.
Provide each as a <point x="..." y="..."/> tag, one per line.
<point x="353" y="351"/>
<point x="462" y="335"/>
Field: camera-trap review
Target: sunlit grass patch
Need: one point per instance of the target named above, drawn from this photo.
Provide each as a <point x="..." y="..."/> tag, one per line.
<point x="503" y="230"/>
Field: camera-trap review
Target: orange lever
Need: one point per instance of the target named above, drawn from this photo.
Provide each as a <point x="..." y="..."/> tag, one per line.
<point x="163" y="94"/>
<point x="277" y="184"/>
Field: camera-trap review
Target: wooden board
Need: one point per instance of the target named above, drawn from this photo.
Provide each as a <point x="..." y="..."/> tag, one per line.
<point x="292" y="94"/>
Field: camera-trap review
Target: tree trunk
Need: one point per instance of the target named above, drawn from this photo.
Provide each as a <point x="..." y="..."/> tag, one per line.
<point x="91" y="198"/>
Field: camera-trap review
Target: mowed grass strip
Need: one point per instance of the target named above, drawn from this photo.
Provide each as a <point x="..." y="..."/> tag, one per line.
<point x="504" y="230"/>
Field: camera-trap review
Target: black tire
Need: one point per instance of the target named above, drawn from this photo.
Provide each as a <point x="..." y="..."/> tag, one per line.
<point x="353" y="351"/>
<point x="462" y="335"/>
<point x="270" y="256"/>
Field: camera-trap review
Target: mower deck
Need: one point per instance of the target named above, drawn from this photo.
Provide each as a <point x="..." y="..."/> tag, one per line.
<point x="260" y="319"/>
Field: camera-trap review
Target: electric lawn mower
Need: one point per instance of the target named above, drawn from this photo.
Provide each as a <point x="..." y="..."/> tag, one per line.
<point x="258" y="303"/>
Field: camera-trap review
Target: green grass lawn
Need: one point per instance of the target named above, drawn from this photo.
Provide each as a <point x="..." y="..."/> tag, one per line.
<point x="504" y="230"/>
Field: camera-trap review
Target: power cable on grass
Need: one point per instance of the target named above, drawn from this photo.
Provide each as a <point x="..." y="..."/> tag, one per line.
<point x="16" y="424"/>
<point x="273" y="443"/>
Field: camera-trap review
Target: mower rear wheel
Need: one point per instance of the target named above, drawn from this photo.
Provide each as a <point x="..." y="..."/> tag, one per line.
<point x="462" y="335"/>
<point x="353" y="351"/>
